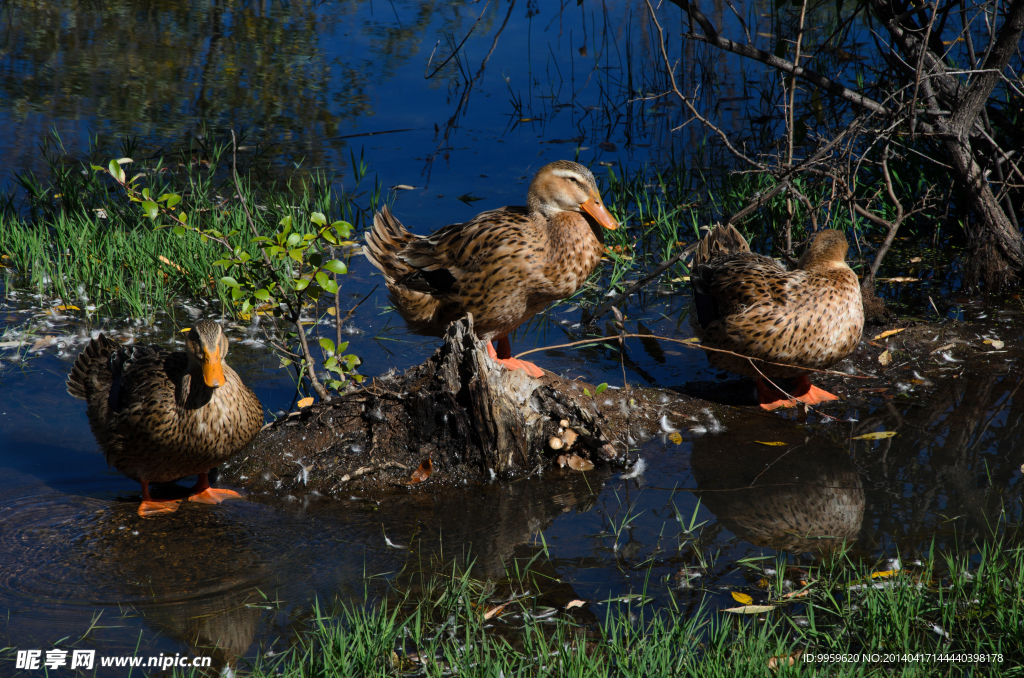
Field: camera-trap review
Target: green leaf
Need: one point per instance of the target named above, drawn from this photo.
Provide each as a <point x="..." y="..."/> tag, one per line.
<point x="343" y="228"/>
<point x="586" y="392"/>
<point x="329" y="237"/>
<point x="296" y="254"/>
<point x="261" y="238"/>
<point x="327" y="345"/>
<point x="229" y="281"/>
<point x="183" y="216"/>
<point x="178" y="230"/>
<point x="316" y="259"/>
<point x="322" y="278"/>
<point x="301" y="284"/>
<point x="336" y="266"/>
<point x="318" y="218"/>
<point x="244" y="257"/>
<point x="287" y="223"/>
<point x="601" y="388"/>
<point x="262" y="294"/>
<point x="294" y="239"/>
<point x="246" y="305"/>
<point x="332" y="362"/>
<point x="145" y="193"/>
<point x="236" y="293"/>
<point x="335" y="384"/>
<point x="330" y="287"/>
<point x="275" y="250"/>
<point x="116" y="171"/>
<point x="223" y="263"/>
<point x="152" y="209"/>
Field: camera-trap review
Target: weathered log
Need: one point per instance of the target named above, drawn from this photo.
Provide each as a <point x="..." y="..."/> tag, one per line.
<point x="459" y="416"/>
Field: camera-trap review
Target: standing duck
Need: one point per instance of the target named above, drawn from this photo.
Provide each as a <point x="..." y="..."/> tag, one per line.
<point x="503" y="266"/>
<point x="748" y="304"/>
<point x="160" y="415"/>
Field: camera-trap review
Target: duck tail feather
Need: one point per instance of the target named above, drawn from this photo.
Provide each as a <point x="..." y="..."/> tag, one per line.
<point x="91" y="372"/>
<point x="384" y="241"/>
<point x="720" y="240"/>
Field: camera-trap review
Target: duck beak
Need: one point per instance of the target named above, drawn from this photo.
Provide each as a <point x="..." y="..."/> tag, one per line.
<point x="213" y="373"/>
<point x="595" y="208"/>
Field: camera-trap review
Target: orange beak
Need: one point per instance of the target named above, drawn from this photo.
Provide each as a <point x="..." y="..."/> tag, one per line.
<point x="595" y="208"/>
<point x="213" y="373"/>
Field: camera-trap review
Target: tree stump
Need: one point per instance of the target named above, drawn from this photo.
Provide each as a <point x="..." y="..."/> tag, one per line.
<point x="458" y="418"/>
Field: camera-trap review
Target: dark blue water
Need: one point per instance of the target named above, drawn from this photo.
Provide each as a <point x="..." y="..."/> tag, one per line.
<point x="306" y="82"/>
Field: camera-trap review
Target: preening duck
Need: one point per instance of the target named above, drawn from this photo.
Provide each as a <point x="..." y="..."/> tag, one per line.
<point x="160" y="415"/>
<point x="747" y="303"/>
<point x="503" y="266"/>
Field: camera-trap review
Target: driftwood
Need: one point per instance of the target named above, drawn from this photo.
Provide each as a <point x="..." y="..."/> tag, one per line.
<point x="460" y="417"/>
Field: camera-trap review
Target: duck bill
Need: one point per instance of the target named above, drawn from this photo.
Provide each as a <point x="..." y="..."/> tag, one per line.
<point x="213" y="373"/>
<point x="596" y="210"/>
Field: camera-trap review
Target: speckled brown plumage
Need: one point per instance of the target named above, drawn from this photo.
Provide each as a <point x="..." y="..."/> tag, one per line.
<point x="153" y="412"/>
<point x="748" y="304"/>
<point x="504" y="265"/>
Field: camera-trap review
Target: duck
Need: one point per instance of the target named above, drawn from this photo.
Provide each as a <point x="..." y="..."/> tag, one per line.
<point x="161" y="415"/>
<point x="781" y="324"/>
<point x="503" y="266"/>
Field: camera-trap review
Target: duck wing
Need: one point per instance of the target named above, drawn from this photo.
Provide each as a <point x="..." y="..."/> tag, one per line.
<point x="445" y="261"/>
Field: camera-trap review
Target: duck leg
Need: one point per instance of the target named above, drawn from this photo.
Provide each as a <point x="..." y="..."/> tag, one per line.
<point x="153" y="507"/>
<point x="504" y="356"/>
<point x="202" y="493"/>
<point x="771" y="398"/>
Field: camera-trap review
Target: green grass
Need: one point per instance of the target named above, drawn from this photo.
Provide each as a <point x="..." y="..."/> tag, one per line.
<point x="76" y="238"/>
<point x="948" y="604"/>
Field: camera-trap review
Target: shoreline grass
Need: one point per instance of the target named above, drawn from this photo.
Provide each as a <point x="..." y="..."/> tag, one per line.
<point x="951" y="614"/>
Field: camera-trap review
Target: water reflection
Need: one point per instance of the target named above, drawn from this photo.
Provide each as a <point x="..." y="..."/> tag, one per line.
<point x="802" y="495"/>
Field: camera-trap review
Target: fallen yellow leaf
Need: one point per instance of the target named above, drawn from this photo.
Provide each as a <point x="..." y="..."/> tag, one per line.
<point x="170" y="263"/>
<point x="67" y="307"/>
<point x="493" y="611"/>
<point x="885" y="358"/>
<point x="185" y="330"/>
<point x="888" y="333"/>
<point x="575" y="603"/>
<point x="785" y="660"/>
<point x="995" y="343"/>
<point x="742" y="598"/>
<point x="691" y="340"/>
<point x="331" y="310"/>
<point x="773" y="443"/>
<point x="877" y="435"/>
<point x="885" y="573"/>
<point x="675" y="438"/>
<point x="305" y="402"/>
<point x="897" y="280"/>
<point x="750" y="609"/>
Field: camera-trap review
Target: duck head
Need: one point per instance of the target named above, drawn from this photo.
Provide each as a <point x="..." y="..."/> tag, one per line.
<point x="828" y="251"/>
<point x="207" y="347"/>
<point x="564" y="186"/>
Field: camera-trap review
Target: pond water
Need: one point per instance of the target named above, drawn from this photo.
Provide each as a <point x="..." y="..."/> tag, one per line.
<point x="530" y="85"/>
<point x="80" y="568"/>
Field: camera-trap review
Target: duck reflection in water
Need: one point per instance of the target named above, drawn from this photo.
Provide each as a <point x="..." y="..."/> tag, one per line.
<point x="803" y="496"/>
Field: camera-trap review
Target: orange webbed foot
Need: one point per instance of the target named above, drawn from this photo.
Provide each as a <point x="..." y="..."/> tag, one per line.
<point x="213" y="495"/>
<point x="515" y="363"/>
<point x="149" y="508"/>
<point x="770" y="398"/>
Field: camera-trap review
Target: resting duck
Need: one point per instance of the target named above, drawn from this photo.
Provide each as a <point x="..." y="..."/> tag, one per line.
<point x="503" y="266"/>
<point x="160" y="416"/>
<point x="748" y="304"/>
